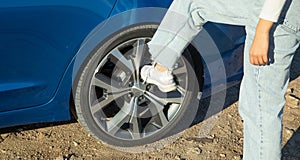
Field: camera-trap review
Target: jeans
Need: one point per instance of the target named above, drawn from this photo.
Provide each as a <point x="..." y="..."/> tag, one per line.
<point x="262" y="93"/>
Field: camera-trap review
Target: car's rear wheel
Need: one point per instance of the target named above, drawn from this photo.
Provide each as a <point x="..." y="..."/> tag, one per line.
<point x="117" y="107"/>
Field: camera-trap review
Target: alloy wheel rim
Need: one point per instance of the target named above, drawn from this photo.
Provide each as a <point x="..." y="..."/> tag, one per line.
<point x="125" y="107"/>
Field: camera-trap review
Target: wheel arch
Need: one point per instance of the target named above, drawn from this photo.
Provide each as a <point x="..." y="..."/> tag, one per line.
<point x="119" y="22"/>
<point x="111" y="27"/>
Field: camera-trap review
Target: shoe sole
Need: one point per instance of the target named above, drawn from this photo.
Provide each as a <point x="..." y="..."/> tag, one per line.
<point x="163" y="88"/>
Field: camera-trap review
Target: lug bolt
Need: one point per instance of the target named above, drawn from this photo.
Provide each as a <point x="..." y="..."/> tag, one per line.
<point x="130" y="95"/>
<point x="130" y="84"/>
<point x="148" y="87"/>
<point x="141" y="98"/>
<point x="105" y="94"/>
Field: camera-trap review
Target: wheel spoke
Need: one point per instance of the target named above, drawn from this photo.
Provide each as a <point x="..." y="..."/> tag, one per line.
<point x="179" y="70"/>
<point x="135" y="123"/>
<point x="121" y="117"/>
<point x="163" y="119"/>
<point x="104" y="101"/>
<point x="155" y="98"/>
<point x="139" y="49"/>
<point x="116" y="122"/>
<point x="121" y="60"/>
<point x="174" y="97"/>
<point x="181" y="90"/>
<point x="108" y="84"/>
<point x="170" y="97"/>
<point x="157" y="111"/>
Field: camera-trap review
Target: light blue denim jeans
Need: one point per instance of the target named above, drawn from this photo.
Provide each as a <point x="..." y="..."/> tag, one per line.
<point x="263" y="88"/>
<point x="262" y="93"/>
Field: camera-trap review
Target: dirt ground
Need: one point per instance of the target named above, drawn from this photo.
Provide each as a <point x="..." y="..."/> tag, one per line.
<point x="68" y="140"/>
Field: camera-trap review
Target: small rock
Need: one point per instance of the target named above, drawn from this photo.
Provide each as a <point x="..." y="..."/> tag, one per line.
<point x="290" y="90"/>
<point x="200" y="140"/>
<point x="241" y="140"/>
<point x="198" y="150"/>
<point x="168" y="155"/>
<point x="68" y="156"/>
<point x="195" y="150"/>
<point x="3" y="151"/>
<point x="293" y="100"/>
<point x="75" y="143"/>
<point x="4" y="135"/>
<point x="211" y="136"/>
<point x="200" y="145"/>
<point x="237" y="157"/>
<point x="288" y="131"/>
<point x="239" y="131"/>
<point x="222" y="155"/>
<point x="177" y="157"/>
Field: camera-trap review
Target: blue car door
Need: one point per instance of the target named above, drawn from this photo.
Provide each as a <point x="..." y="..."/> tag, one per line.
<point x="38" y="39"/>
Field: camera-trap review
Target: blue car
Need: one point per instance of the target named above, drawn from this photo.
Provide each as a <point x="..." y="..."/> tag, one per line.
<point x="83" y="58"/>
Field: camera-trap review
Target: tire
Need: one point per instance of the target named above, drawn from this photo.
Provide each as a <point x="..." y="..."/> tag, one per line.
<point x="116" y="107"/>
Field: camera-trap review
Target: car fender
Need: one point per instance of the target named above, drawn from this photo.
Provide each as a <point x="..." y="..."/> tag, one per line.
<point x="112" y="26"/>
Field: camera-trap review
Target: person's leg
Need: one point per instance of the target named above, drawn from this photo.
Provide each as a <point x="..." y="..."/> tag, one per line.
<point x="262" y="95"/>
<point x="185" y="19"/>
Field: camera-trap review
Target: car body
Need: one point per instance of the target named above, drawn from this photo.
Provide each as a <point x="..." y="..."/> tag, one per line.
<point x="43" y="45"/>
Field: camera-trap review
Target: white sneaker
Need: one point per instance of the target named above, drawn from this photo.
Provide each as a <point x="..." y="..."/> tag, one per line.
<point x="163" y="80"/>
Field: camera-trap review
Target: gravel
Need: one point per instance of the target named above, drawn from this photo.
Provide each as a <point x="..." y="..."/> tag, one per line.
<point x="69" y="141"/>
